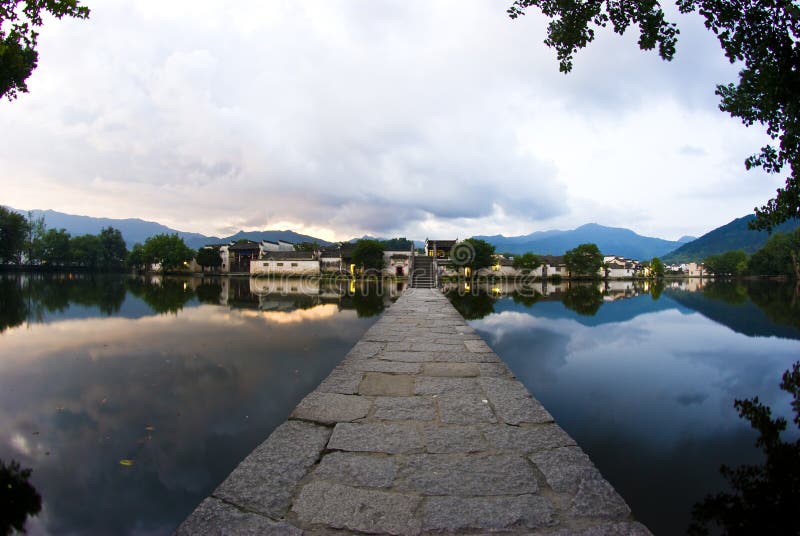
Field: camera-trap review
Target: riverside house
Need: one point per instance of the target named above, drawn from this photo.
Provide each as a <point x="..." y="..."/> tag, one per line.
<point x="286" y="263"/>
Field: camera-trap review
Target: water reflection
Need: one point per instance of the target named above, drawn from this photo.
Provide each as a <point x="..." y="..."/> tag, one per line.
<point x="644" y="377"/>
<point x="180" y="376"/>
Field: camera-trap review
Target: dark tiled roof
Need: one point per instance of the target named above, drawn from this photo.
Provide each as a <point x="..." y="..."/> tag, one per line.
<point x="289" y="255"/>
<point x="244" y="246"/>
<point x="552" y="260"/>
<point x="330" y="253"/>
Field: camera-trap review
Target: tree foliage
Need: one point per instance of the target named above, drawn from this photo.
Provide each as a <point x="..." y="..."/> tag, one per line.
<point x="657" y="267"/>
<point x="18" y="497"/>
<point x="473" y="253"/>
<point x="54" y="249"/>
<point x="368" y="255"/>
<point x="306" y="246"/>
<point x="779" y="256"/>
<point x="167" y="250"/>
<point x="730" y="263"/>
<point x="763" y="498"/>
<point x="527" y="261"/>
<point x="398" y="244"/>
<point x="19" y="23"/>
<point x="113" y="251"/>
<point x="763" y="35"/>
<point x="13" y="233"/>
<point x="208" y="257"/>
<point x="584" y="260"/>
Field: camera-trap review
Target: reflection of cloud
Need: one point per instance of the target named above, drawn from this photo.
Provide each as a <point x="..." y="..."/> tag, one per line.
<point x="319" y="312"/>
<point x="212" y="382"/>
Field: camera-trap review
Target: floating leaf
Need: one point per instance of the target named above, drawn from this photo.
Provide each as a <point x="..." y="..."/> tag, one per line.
<point x="125" y="462"/>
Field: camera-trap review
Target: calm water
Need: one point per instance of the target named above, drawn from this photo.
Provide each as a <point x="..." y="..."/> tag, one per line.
<point x="183" y="377"/>
<point x="644" y="379"/>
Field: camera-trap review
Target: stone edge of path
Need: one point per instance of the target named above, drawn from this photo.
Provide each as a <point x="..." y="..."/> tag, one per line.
<point x="421" y="429"/>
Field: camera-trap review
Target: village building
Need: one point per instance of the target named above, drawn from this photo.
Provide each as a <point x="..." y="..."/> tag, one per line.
<point x="554" y="265"/>
<point x="396" y="263"/>
<point x="286" y="263"/>
<point x="440" y="249"/>
<point x="241" y="254"/>
<point x="330" y="260"/>
<point x="693" y="269"/>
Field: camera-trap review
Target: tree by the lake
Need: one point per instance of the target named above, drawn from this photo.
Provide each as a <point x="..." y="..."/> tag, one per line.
<point x="779" y="256"/>
<point x="584" y="261"/>
<point x="208" y="257"/>
<point x="136" y="258"/>
<point x="20" y="22"/>
<point x="763" y="498"/>
<point x="36" y="231"/>
<point x="526" y="262"/>
<point x="368" y="255"/>
<point x="657" y="267"/>
<point x="112" y="252"/>
<point x="730" y="263"/>
<point x="167" y="250"/>
<point x="762" y="36"/>
<point x="13" y="234"/>
<point x="85" y="251"/>
<point x="54" y="248"/>
<point x="473" y="253"/>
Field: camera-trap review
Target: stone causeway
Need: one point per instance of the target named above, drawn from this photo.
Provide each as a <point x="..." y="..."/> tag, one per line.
<point x="421" y="429"/>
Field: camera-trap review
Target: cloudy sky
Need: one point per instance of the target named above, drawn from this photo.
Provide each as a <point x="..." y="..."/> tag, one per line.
<point x="343" y="118"/>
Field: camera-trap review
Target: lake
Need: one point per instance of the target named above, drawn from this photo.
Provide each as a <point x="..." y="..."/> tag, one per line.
<point x="133" y="398"/>
<point x="644" y="378"/>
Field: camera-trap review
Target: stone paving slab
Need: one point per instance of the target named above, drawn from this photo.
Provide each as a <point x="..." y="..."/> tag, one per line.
<point x="421" y="429"/>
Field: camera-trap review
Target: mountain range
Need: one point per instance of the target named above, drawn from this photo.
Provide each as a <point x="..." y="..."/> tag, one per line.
<point x="135" y="230"/>
<point x="731" y="236"/>
<point x="610" y="240"/>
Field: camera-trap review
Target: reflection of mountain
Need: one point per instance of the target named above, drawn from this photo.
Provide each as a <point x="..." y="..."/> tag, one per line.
<point x="621" y="310"/>
<point x="746" y="317"/>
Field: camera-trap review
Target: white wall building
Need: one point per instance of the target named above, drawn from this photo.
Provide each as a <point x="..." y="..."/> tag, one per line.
<point x="397" y="263"/>
<point x="286" y="263"/>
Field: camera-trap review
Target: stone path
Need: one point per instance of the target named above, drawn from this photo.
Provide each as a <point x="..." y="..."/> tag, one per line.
<point x="421" y="429"/>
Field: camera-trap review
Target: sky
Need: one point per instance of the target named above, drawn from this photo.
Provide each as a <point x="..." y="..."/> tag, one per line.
<point x="340" y="118"/>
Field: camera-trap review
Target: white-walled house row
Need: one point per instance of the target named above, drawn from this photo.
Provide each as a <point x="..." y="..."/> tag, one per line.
<point x="286" y="263"/>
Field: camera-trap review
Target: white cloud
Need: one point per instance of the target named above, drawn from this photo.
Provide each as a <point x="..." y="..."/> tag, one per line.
<point x="348" y="118"/>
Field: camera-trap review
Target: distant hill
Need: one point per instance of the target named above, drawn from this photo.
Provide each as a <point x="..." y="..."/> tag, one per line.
<point x="135" y="230"/>
<point x="610" y="240"/>
<point x="732" y="236"/>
